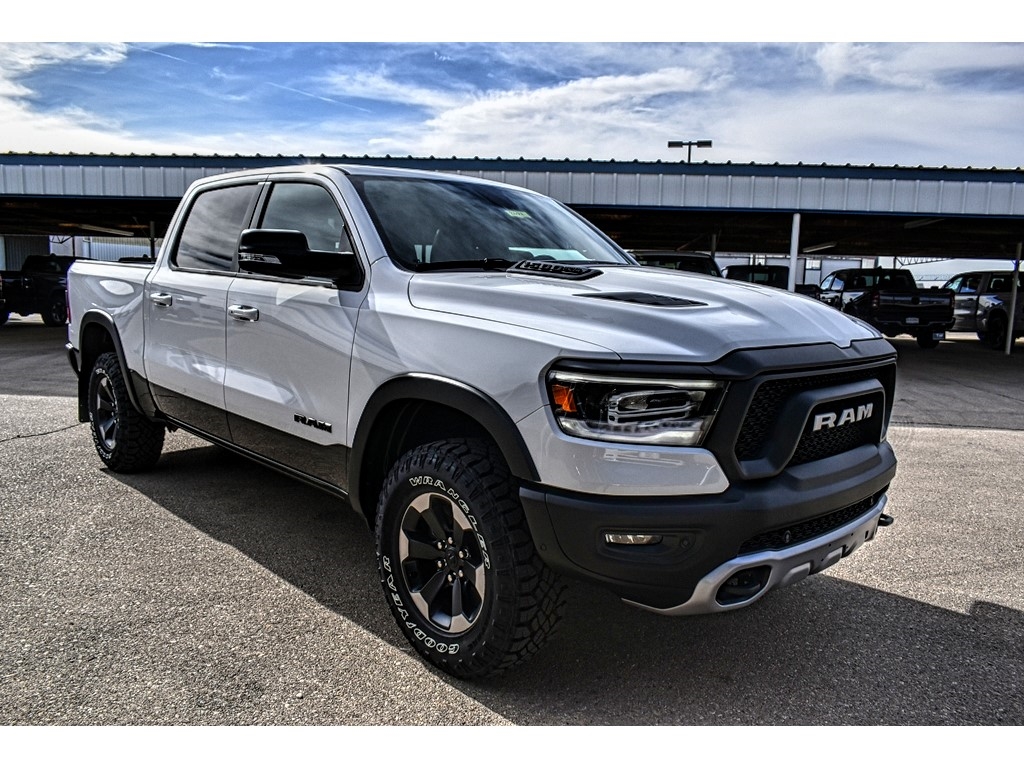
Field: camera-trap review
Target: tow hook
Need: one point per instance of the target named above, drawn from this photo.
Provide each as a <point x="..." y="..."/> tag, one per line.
<point x="885" y="520"/>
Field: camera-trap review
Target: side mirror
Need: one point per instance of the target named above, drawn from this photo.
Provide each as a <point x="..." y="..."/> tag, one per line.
<point x="285" y="253"/>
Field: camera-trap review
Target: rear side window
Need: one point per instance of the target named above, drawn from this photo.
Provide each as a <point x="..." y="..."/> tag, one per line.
<point x="209" y="237"/>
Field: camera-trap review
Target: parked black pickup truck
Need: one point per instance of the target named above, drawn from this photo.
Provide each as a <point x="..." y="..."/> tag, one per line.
<point x="39" y="287"/>
<point x="890" y="300"/>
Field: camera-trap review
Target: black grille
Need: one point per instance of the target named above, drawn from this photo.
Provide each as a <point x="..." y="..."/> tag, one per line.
<point x="807" y="530"/>
<point x="832" y="442"/>
<point x="771" y="396"/>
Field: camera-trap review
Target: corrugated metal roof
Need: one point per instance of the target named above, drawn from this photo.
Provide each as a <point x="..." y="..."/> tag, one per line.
<point x="689" y="186"/>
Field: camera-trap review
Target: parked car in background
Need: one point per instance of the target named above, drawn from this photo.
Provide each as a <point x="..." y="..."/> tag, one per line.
<point x="773" y="275"/>
<point x="890" y="300"/>
<point x="687" y="261"/>
<point x="39" y="287"/>
<point x="982" y="304"/>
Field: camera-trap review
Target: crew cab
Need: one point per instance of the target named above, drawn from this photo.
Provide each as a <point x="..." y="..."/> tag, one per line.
<point x="890" y="300"/>
<point x="37" y="288"/>
<point x="504" y="395"/>
<point x="982" y="304"/>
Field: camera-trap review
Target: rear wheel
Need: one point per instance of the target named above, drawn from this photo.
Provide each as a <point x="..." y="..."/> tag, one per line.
<point x="56" y="312"/>
<point x="457" y="563"/>
<point x="125" y="440"/>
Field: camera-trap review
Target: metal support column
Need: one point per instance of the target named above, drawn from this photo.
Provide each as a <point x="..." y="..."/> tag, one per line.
<point x="1012" y="322"/>
<point x="794" y="250"/>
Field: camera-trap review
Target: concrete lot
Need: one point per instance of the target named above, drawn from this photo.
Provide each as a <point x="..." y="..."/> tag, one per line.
<point x="212" y="591"/>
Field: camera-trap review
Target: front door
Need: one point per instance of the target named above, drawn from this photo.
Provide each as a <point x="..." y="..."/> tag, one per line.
<point x="289" y="345"/>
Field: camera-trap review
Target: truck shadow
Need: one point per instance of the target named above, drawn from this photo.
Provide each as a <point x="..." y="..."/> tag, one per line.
<point x="822" y="652"/>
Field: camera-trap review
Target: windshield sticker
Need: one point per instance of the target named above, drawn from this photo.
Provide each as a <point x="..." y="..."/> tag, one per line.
<point x="516" y="214"/>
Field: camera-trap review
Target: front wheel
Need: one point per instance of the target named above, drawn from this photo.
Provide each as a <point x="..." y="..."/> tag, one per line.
<point x="125" y="440"/>
<point x="996" y="332"/>
<point x="457" y="563"/>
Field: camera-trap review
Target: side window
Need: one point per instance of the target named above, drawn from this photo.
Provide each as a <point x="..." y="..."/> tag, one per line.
<point x="971" y="284"/>
<point x="837" y="283"/>
<point x="310" y="209"/>
<point x="209" y="237"/>
<point x="826" y="284"/>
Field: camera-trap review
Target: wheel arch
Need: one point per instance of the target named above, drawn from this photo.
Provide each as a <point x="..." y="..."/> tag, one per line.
<point x="97" y="333"/>
<point x="416" y="409"/>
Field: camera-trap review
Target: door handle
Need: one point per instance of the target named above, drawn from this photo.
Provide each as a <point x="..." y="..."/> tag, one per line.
<point x="161" y="299"/>
<point x="241" y="312"/>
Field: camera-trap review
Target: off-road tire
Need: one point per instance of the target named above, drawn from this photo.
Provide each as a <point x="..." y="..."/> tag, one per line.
<point x="457" y="563"/>
<point x="125" y="440"/>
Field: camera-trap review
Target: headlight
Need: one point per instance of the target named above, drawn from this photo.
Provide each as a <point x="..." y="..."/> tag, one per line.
<point x="648" y="411"/>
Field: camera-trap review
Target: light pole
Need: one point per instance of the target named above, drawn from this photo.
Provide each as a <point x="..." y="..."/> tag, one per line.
<point x="702" y="144"/>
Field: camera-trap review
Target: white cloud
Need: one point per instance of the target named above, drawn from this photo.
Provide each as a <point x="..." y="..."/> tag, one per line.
<point x="915" y="65"/>
<point x="594" y="116"/>
<point x="378" y="86"/>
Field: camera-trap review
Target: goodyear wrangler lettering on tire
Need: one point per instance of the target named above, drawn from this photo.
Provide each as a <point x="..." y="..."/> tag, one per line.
<point x="403" y="615"/>
<point x="457" y="563"/>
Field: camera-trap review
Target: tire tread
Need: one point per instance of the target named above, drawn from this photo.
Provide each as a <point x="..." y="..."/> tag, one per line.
<point x="524" y="618"/>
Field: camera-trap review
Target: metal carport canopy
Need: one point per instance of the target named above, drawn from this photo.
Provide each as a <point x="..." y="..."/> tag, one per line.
<point x="756" y="208"/>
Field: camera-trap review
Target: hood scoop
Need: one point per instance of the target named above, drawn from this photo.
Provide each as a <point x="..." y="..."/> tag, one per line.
<point x="553" y="269"/>
<point x="648" y="299"/>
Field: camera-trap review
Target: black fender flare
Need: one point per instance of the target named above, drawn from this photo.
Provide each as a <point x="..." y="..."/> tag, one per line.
<point x="476" y="405"/>
<point x="138" y="387"/>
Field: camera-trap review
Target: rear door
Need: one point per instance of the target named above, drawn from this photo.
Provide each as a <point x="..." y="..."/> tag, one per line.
<point x="186" y="308"/>
<point x="289" y="342"/>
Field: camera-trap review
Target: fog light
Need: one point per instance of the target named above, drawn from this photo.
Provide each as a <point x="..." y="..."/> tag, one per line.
<point x="632" y="538"/>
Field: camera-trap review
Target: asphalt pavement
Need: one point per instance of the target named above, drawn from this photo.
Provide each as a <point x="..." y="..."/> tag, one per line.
<point x="211" y="591"/>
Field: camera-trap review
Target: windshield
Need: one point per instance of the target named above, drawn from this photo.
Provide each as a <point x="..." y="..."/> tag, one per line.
<point x="446" y="224"/>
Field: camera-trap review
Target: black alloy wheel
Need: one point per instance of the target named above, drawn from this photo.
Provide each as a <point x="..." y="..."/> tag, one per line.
<point x="125" y="440"/>
<point x="457" y="563"/>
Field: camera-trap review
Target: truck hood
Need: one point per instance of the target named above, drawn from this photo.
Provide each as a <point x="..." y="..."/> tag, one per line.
<point x="641" y="312"/>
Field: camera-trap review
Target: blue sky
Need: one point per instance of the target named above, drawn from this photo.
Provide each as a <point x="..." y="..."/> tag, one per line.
<point x="888" y="103"/>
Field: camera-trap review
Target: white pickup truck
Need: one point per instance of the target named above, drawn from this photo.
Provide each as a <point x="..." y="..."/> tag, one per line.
<point x="504" y="395"/>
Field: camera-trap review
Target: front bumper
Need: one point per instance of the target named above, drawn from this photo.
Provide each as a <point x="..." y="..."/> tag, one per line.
<point x="744" y="579"/>
<point x="802" y="516"/>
